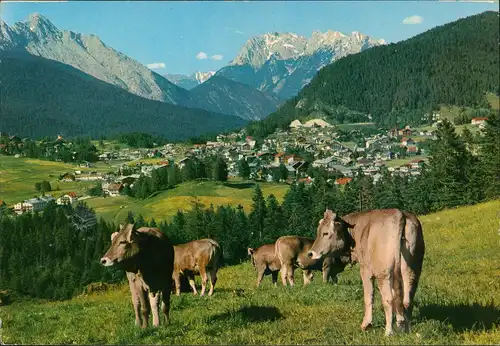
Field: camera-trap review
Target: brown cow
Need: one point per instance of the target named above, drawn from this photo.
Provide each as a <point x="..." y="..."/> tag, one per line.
<point x="389" y="246"/>
<point x="292" y="251"/>
<point x="265" y="261"/>
<point x="194" y="258"/>
<point x="147" y="256"/>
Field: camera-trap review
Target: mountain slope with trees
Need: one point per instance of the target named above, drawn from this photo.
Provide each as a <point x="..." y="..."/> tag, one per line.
<point x="226" y="96"/>
<point x="453" y="64"/>
<point x="42" y="97"/>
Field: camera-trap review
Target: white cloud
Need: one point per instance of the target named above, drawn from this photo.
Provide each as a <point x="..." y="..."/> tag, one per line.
<point x="239" y="32"/>
<point x="156" y="65"/>
<point x="413" y="20"/>
<point x="216" y="57"/>
<point x="201" y="56"/>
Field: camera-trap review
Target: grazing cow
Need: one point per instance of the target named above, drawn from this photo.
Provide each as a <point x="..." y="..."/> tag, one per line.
<point x="292" y="251"/>
<point x="265" y="261"/>
<point x="195" y="258"/>
<point x="389" y="246"/>
<point x="147" y="256"/>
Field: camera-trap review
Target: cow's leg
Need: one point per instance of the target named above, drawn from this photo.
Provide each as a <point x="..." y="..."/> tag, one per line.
<point x="260" y="276"/>
<point x="368" y="298"/>
<point x="204" y="278"/>
<point x="154" y="299"/>
<point x="308" y="276"/>
<point x="283" y="274"/>
<point x="135" y="300"/>
<point x="385" y="287"/>
<point x="177" y="280"/>
<point x="326" y="274"/>
<point x="165" y="301"/>
<point x="145" y="308"/>
<point x="290" y="274"/>
<point x="274" y="276"/>
<point x="397" y="302"/>
<point x="213" y="279"/>
<point x="192" y="283"/>
<point x="410" y="276"/>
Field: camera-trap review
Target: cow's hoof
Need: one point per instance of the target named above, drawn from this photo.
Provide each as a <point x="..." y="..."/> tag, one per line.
<point x="365" y="326"/>
<point x="388" y="332"/>
<point x="195" y="293"/>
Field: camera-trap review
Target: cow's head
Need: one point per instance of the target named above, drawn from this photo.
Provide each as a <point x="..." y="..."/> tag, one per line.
<point x="124" y="246"/>
<point x="250" y="253"/>
<point x="331" y="237"/>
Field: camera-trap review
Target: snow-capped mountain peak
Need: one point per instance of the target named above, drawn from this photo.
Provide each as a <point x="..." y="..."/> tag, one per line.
<point x="202" y="77"/>
<point x="261" y="48"/>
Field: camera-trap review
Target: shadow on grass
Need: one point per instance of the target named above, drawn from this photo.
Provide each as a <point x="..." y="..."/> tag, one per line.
<point x="463" y="317"/>
<point x="250" y="314"/>
<point x="239" y="186"/>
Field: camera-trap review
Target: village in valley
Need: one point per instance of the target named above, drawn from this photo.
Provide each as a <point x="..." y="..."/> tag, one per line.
<point x="312" y="144"/>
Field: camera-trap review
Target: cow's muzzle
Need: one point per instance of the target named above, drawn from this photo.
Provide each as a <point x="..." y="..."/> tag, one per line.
<point x="314" y="255"/>
<point x="105" y="261"/>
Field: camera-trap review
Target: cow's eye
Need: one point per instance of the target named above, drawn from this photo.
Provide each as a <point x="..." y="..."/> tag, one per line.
<point x="325" y="234"/>
<point x="123" y="242"/>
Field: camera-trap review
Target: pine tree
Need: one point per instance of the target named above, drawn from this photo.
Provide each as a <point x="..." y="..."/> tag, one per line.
<point x="490" y="157"/>
<point x="274" y="220"/>
<point x="220" y="170"/>
<point x="258" y="215"/>
<point x="243" y="169"/>
<point x="130" y="217"/>
<point x="448" y="160"/>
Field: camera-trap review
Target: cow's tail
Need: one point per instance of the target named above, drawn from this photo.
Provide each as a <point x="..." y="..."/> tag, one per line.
<point x="400" y="245"/>
<point x="277" y="250"/>
<point x="412" y="252"/>
<point x="216" y="254"/>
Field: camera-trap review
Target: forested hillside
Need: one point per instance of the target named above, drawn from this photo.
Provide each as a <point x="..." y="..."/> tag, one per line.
<point x="454" y="64"/>
<point x="41" y="97"/>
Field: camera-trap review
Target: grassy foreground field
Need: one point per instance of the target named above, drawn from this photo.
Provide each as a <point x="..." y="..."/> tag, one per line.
<point x="165" y="204"/>
<point x="458" y="302"/>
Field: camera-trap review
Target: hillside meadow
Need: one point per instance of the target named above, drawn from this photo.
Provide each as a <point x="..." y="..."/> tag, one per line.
<point x="458" y="302"/>
<point x="19" y="175"/>
<point x="166" y="203"/>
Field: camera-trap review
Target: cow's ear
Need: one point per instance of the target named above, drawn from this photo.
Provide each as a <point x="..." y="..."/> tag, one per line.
<point x="328" y="214"/>
<point x="113" y="235"/>
<point x="250" y="251"/>
<point x="334" y="216"/>
<point x="121" y="226"/>
<point x="321" y="220"/>
<point x="131" y="234"/>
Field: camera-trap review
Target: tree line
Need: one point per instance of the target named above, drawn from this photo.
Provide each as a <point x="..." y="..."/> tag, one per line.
<point x="50" y="256"/>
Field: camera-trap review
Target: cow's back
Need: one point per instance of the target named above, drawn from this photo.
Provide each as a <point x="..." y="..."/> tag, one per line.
<point x="290" y="249"/>
<point x="265" y="255"/>
<point x="156" y="264"/>
<point x="377" y="235"/>
<point x="190" y="256"/>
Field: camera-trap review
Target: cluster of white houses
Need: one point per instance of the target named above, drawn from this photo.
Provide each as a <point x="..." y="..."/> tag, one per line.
<point x="37" y="204"/>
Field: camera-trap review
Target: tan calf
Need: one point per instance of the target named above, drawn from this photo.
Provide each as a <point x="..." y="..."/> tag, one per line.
<point x="265" y="261"/>
<point x="293" y="251"/>
<point x="195" y="258"/>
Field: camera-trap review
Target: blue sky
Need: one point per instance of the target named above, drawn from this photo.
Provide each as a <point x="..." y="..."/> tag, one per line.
<point x="174" y="33"/>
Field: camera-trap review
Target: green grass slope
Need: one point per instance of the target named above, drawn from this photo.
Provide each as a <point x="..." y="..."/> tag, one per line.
<point x="18" y="177"/>
<point x="458" y="302"/>
<point x="165" y="204"/>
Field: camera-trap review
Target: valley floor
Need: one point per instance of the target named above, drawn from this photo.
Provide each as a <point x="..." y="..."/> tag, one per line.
<point x="458" y="302"/>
